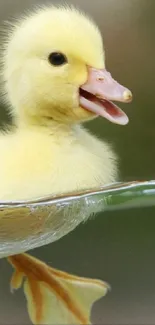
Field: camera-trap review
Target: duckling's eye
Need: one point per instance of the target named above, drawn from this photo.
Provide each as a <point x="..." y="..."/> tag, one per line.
<point x="57" y="58"/>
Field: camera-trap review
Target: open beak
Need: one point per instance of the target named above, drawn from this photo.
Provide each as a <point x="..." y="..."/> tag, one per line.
<point x="97" y="94"/>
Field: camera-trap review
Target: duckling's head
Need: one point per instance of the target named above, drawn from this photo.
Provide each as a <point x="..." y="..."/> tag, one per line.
<point x="54" y="70"/>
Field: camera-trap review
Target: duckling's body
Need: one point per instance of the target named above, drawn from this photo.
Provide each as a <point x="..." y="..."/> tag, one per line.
<point x="37" y="161"/>
<point x="55" y="81"/>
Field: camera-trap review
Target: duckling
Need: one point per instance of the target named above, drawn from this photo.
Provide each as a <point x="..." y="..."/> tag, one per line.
<point x="55" y="80"/>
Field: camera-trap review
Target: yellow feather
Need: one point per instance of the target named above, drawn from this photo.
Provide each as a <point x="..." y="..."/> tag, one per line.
<point x="49" y="152"/>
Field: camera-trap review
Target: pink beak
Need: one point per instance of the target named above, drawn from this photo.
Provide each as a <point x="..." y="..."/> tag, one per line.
<point x="97" y="94"/>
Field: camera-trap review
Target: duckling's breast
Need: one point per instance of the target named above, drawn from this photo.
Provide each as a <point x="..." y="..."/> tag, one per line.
<point x="35" y="164"/>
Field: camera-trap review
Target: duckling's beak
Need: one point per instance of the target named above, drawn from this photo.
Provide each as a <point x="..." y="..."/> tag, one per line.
<point x="97" y="94"/>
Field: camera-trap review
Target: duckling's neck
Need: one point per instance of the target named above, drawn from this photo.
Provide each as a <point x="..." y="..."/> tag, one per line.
<point x="45" y="124"/>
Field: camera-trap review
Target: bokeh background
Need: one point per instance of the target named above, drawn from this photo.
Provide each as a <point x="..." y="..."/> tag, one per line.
<point x="118" y="247"/>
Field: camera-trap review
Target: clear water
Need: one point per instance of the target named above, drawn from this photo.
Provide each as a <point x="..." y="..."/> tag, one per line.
<point x="29" y="224"/>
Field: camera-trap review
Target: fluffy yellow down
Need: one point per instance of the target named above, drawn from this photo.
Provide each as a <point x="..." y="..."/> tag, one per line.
<point x="48" y="151"/>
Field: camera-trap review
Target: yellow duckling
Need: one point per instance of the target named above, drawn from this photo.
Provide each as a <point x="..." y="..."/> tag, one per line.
<point x="55" y="79"/>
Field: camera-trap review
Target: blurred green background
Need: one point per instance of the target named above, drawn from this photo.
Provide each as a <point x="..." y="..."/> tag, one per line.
<point x="118" y="247"/>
